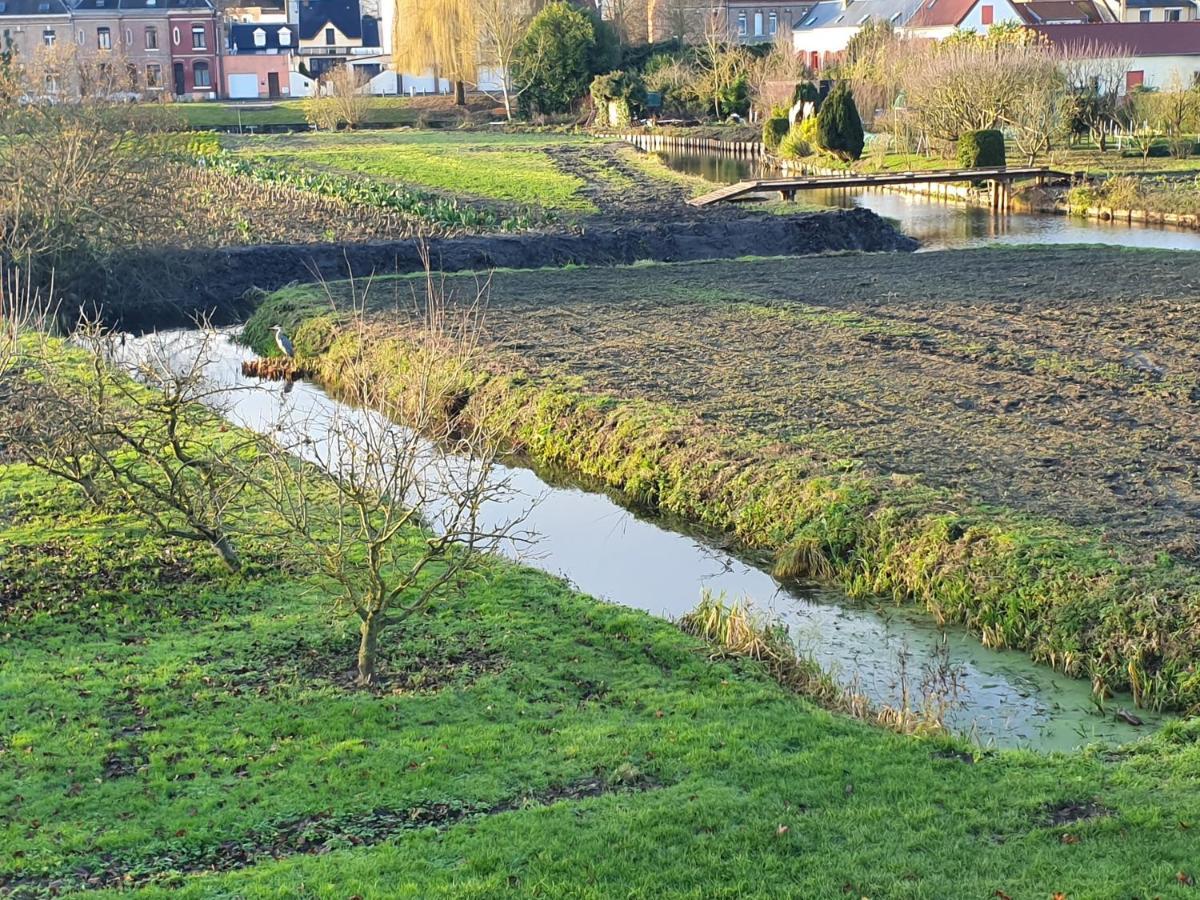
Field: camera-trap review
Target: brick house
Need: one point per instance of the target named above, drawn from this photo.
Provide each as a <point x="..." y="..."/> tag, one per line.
<point x="195" y="45"/>
<point x="31" y="27"/>
<point x="134" y="31"/>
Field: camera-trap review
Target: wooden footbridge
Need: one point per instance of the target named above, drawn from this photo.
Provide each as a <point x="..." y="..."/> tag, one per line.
<point x="1000" y="179"/>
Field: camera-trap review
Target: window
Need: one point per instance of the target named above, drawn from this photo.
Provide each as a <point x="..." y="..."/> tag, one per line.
<point x="51" y="84"/>
<point x="49" y="37"/>
<point x="175" y="36"/>
<point x="1144" y="15"/>
<point x="80" y="37"/>
<point x="1173" y="15"/>
<point x="103" y="38"/>
<point x="199" y="38"/>
<point x="329" y="39"/>
<point x="285" y="37"/>
<point x="986" y="14"/>
<point x="742" y="24"/>
<point x="151" y="38"/>
<point x="758" y="23"/>
<point x="1134" y="79"/>
<point x="128" y="37"/>
<point x="260" y="38"/>
<point x="154" y="76"/>
<point x="131" y="73"/>
<point x="772" y="23"/>
<point x="200" y="75"/>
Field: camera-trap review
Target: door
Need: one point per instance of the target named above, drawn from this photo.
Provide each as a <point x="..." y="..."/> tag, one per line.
<point x="273" y="85"/>
<point x="180" y="87"/>
<point x="1134" y="79"/>
<point x="243" y="87"/>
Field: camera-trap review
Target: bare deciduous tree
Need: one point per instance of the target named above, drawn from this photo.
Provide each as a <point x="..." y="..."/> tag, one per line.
<point x="142" y="421"/>
<point x="339" y="99"/>
<point x="1095" y="76"/>
<point x="502" y="24"/>
<point x="392" y="513"/>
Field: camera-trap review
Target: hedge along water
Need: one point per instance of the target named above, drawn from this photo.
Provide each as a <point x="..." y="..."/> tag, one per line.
<point x="1003" y="699"/>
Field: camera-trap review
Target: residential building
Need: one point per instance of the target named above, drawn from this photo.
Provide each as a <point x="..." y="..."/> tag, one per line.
<point x="29" y="27"/>
<point x="1153" y="10"/>
<point x="195" y="42"/>
<point x="133" y="31"/>
<point x="938" y="19"/>
<point x="1156" y="54"/>
<point x="258" y="61"/>
<point x="755" y="23"/>
<point x="1064" y="12"/>
<point x="829" y="25"/>
<point x="335" y="32"/>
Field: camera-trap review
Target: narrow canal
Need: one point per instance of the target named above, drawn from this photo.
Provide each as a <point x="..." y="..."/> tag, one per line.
<point x="1002" y="699"/>
<point x="940" y="224"/>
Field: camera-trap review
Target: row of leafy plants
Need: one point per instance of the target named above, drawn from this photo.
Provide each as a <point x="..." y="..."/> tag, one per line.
<point x="445" y="212"/>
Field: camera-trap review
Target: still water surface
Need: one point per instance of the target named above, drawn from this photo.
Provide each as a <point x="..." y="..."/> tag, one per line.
<point x="941" y="225"/>
<point x="610" y="552"/>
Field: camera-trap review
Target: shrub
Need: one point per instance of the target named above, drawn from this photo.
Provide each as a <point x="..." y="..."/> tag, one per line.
<point x="839" y="128"/>
<point x="794" y="145"/>
<point x="981" y="149"/>
<point x="807" y="130"/>
<point x="775" y="129"/>
<point x="616" y="96"/>
<point x="553" y="62"/>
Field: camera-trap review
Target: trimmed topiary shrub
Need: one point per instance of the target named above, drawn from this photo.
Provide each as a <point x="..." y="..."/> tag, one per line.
<point x="775" y="129"/>
<point x="981" y="149"/>
<point x="839" y="127"/>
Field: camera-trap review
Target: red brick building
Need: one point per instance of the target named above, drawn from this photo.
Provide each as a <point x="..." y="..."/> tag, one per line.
<point x="195" y="46"/>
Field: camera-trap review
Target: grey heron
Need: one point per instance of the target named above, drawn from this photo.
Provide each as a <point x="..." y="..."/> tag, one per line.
<point x="283" y="342"/>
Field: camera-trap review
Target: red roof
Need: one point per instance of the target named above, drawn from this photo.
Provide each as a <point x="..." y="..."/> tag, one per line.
<point x="1132" y="38"/>
<point x="940" y="12"/>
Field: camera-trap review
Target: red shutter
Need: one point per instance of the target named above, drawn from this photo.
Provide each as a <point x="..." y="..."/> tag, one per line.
<point x="1134" y="79"/>
<point x="985" y="14"/>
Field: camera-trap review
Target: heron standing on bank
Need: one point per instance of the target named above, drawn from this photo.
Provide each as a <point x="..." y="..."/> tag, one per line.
<point x="283" y="342"/>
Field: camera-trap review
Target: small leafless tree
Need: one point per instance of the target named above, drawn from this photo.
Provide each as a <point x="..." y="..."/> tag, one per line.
<point x="339" y="98"/>
<point x="142" y="422"/>
<point x="1039" y="114"/>
<point x="390" y="504"/>
<point x="1095" y="77"/>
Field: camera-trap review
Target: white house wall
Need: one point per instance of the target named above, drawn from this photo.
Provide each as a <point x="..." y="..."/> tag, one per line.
<point x="1161" y="70"/>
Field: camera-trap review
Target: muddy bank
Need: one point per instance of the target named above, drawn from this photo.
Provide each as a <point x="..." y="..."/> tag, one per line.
<point x="168" y="288"/>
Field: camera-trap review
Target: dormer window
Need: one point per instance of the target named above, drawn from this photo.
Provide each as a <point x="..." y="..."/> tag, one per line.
<point x="285" y="37"/>
<point x="260" y="38"/>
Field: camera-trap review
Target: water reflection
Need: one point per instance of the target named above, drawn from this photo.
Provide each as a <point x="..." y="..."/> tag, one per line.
<point x="609" y="552"/>
<point x="940" y="224"/>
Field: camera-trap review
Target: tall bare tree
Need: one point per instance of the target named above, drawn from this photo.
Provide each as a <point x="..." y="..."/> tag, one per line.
<point x="502" y="24"/>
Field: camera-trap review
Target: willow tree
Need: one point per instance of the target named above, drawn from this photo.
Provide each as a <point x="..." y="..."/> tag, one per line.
<point x="441" y="35"/>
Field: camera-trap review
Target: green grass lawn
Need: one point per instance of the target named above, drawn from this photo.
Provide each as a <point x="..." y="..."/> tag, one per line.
<point x="170" y="729"/>
<point x="512" y="168"/>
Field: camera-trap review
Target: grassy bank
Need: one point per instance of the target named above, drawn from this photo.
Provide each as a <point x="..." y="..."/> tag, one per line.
<point x="171" y="729"/>
<point x="618" y="375"/>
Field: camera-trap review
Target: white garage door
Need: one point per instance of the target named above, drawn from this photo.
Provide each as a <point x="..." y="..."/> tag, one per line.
<point x="242" y="87"/>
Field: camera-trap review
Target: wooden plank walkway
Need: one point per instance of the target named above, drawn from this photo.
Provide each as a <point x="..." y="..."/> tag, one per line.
<point x="788" y="187"/>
